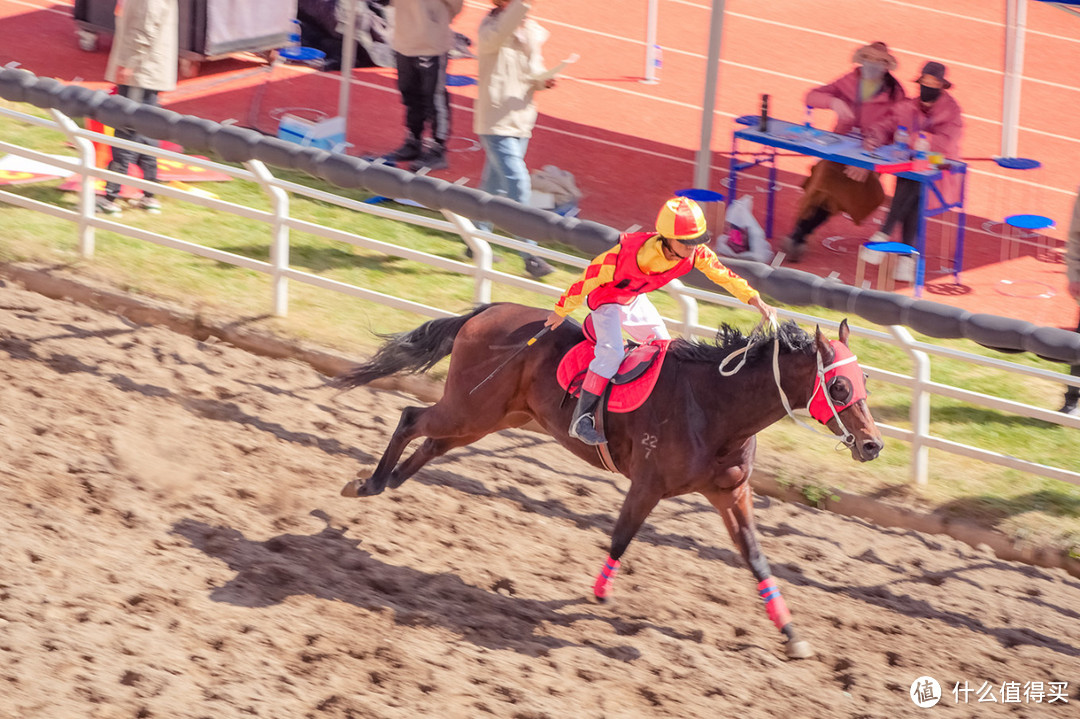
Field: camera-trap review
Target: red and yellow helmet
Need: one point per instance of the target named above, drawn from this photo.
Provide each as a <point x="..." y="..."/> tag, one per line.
<point x="682" y="219"/>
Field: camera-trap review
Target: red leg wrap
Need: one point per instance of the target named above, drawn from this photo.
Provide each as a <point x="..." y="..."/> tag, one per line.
<point x="594" y="383"/>
<point x="774" y="603"/>
<point x="602" y="587"/>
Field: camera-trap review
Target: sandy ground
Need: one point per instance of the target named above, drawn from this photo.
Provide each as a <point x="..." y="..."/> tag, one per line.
<point x="174" y="546"/>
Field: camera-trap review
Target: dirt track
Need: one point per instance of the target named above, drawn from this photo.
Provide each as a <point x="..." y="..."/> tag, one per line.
<point x="174" y="546"/>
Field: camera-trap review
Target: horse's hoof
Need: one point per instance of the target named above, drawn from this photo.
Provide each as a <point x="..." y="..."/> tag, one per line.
<point x="799" y="650"/>
<point x="601" y="600"/>
<point x="359" y="488"/>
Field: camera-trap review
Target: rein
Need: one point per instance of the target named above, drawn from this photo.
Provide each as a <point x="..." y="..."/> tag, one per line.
<point x="846" y="438"/>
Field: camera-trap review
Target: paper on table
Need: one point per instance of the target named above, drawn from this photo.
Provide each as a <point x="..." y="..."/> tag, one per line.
<point x="548" y="74"/>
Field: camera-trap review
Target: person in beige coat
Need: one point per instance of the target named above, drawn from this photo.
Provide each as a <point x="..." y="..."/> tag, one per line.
<point x="510" y="72"/>
<point x="142" y="63"/>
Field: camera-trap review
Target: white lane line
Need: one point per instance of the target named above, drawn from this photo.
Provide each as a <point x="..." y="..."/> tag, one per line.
<point x="930" y="8"/>
<point x="822" y="33"/>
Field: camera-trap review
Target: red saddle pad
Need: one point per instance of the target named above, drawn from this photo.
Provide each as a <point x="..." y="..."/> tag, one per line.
<point x="630" y="386"/>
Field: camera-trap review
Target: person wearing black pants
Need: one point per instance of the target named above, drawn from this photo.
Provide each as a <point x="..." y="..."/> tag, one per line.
<point x="935" y="116"/>
<point x="122" y="158"/>
<point x="1072" y="269"/>
<point x="1072" y="392"/>
<point x="422" y="83"/>
<point x="142" y="63"/>
<point x="422" y="42"/>
<point x="904" y="210"/>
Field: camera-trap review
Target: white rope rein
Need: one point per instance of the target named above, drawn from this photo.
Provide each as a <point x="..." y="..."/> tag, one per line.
<point x="847" y="439"/>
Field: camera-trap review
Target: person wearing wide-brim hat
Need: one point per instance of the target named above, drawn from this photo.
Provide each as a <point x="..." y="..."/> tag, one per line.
<point x="616" y="284"/>
<point x="935" y="114"/>
<point x="865" y="101"/>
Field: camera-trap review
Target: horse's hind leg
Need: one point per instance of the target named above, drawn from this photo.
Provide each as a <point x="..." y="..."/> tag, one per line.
<point x="737" y="509"/>
<point x="407" y="430"/>
<point x="429" y="450"/>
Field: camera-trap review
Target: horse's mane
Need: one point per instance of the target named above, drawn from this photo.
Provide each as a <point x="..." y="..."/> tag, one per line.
<point x="729" y="339"/>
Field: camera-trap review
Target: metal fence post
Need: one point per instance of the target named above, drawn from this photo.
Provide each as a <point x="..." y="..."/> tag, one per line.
<point x="87" y="191"/>
<point x="920" y="404"/>
<point x="279" y="239"/>
<point x="482" y="255"/>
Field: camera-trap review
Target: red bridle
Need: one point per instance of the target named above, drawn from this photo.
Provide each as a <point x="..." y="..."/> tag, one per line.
<point x="822" y="406"/>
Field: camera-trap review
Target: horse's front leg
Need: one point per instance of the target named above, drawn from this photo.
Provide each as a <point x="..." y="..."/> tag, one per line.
<point x="640" y="500"/>
<point x="737" y="508"/>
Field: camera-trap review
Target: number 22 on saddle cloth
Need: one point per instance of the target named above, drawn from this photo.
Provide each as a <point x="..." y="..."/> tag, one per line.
<point x="633" y="382"/>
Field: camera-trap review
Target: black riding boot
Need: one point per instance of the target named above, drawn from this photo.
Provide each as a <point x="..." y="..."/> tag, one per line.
<point x="583" y="423"/>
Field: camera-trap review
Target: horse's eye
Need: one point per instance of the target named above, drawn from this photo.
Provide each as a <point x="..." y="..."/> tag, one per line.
<point x="840" y="389"/>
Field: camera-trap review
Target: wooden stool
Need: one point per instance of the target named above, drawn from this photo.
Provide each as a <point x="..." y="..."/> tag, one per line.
<point x="885" y="256"/>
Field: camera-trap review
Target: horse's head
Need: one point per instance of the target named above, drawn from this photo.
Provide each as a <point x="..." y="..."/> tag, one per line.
<point x="839" y="398"/>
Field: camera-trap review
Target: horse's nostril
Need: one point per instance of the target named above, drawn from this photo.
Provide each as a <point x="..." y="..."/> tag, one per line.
<point x="872" y="446"/>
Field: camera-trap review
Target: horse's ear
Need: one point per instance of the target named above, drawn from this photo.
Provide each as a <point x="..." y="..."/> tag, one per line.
<point x="823" y="347"/>
<point x="845" y="331"/>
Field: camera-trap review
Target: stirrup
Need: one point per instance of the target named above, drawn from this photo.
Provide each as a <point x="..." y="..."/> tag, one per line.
<point x="584" y="430"/>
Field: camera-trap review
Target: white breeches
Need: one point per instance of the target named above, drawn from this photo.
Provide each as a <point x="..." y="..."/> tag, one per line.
<point x="640" y="320"/>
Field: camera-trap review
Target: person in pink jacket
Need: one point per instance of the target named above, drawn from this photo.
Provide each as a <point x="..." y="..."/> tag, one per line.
<point x="936" y="114"/>
<point x="865" y="101"/>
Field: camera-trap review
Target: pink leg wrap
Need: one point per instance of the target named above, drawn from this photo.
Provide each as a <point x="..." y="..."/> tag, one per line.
<point x="774" y="603"/>
<point x="607" y="577"/>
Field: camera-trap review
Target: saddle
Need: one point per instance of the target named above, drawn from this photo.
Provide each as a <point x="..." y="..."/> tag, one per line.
<point x="633" y="382"/>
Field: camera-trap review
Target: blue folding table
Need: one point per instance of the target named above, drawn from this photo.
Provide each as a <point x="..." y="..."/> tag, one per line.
<point x="848" y="150"/>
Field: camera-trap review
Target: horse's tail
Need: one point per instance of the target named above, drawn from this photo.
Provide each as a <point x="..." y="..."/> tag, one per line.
<point x="414" y="352"/>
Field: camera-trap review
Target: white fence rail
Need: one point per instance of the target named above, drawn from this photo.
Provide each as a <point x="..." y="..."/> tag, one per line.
<point x="280" y="224"/>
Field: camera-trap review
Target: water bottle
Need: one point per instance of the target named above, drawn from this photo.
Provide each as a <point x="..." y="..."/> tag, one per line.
<point x="763" y="122"/>
<point x="294" y="35"/>
<point x="809" y="116"/>
<point x="901" y="142"/>
<point x="657" y="61"/>
<point x="922" y="147"/>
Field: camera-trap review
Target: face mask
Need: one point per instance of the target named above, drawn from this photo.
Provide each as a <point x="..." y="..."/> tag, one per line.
<point x="873" y="70"/>
<point x="929" y="94"/>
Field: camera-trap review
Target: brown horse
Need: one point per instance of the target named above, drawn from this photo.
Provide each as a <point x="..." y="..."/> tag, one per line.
<point x="695" y="433"/>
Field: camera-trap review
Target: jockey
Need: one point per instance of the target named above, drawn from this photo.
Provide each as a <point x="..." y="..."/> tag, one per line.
<point x="615" y="286"/>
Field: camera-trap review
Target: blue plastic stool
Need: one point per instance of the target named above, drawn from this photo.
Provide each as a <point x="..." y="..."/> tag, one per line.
<point x="1029" y="226"/>
<point x="306" y="55"/>
<point x="295" y="52"/>
<point x="459" y="80"/>
<point x="890" y="253"/>
<point x="712" y="204"/>
<point x="698" y="195"/>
